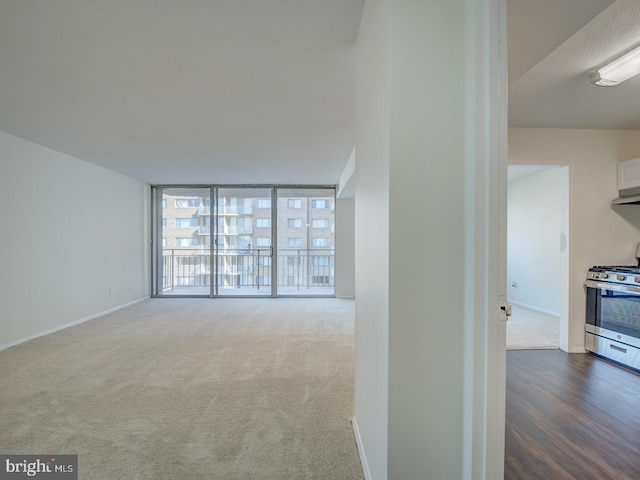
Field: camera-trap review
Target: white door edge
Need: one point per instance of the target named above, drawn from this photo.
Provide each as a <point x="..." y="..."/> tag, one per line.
<point x="485" y="279"/>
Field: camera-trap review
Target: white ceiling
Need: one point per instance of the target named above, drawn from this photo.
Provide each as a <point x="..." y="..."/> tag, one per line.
<point x="189" y="91"/>
<point x="553" y="46"/>
<point x="257" y="91"/>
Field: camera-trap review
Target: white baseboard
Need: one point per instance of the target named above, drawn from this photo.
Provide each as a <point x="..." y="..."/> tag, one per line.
<point x="363" y="456"/>
<point x="67" y="325"/>
<point x="533" y="307"/>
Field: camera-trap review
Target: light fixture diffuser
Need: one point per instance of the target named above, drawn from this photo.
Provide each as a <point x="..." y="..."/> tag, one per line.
<point x="618" y="71"/>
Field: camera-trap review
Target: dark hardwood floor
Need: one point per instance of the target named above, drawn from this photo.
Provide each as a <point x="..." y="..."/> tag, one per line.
<point x="571" y="417"/>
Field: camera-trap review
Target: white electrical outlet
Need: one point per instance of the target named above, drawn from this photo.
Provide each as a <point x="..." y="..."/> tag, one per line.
<point x="128" y="286"/>
<point x="110" y="291"/>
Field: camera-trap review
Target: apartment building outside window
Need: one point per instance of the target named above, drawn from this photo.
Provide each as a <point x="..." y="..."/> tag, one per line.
<point x="187" y="203"/>
<point x="294" y="242"/>
<point x="321" y="261"/>
<point x="236" y="249"/>
<point x="185" y="242"/>
<point x="263" y="242"/>
<point x="320" y="242"/>
<point x="320" y="203"/>
<point x="320" y="223"/>
<point x="186" y="222"/>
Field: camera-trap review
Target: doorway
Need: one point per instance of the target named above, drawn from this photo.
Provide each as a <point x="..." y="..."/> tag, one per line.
<point x="243" y="238"/>
<point x="537" y="256"/>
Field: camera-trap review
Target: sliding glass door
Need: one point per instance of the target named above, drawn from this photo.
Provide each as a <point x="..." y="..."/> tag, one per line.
<point x="243" y="241"/>
<point x="243" y="246"/>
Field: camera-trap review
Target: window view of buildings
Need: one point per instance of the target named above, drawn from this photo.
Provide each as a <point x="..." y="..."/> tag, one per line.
<point x="249" y="251"/>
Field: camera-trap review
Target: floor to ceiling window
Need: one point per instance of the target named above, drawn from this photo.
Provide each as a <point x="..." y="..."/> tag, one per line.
<point x="183" y="240"/>
<point x="305" y="241"/>
<point x="243" y="241"/>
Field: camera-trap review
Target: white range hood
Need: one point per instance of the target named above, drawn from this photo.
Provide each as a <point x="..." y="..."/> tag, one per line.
<point x="628" y="182"/>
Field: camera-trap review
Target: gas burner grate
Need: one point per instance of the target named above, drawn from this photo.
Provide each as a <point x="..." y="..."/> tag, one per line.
<point x="616" y="268"/>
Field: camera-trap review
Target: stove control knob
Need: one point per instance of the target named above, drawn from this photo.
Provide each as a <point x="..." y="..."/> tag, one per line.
<point x="596" y="275"/>
<point x="622" y="278"/>
<point x="636" y="279"/>
<point x="604" y="275"/>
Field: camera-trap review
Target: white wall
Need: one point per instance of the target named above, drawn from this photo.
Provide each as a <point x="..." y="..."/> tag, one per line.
<point x="599" y="233"/>
<point x="410" y="239"/>
<point x="534" y="234"/>
<point x="71" y="231"/>
<point x="372" y="238"/>
<point x="426" y="240"/>
<point x="345" y="273"/>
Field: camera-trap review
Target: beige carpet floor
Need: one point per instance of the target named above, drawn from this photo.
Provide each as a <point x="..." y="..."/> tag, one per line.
<point x="529" y="329"/>
<point x="190" y="389"/>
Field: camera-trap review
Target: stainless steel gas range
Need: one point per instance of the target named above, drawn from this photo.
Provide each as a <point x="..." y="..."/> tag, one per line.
<point x="613" y="313"/>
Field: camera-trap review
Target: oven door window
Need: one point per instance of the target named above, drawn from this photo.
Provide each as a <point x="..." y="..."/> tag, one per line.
<point x="615" y="311"/>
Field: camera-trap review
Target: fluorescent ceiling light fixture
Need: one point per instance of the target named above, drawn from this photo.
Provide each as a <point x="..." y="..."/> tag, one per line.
<point x="618" y="71"/>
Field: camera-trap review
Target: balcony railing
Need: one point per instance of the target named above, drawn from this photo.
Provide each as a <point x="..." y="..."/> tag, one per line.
<point x="297" y="269"/>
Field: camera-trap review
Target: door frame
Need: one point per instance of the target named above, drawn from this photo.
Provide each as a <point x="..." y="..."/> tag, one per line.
<point x="485" y="245"/>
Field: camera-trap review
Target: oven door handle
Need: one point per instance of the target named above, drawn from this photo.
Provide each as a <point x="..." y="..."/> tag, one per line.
<point x="612" y="286"/>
